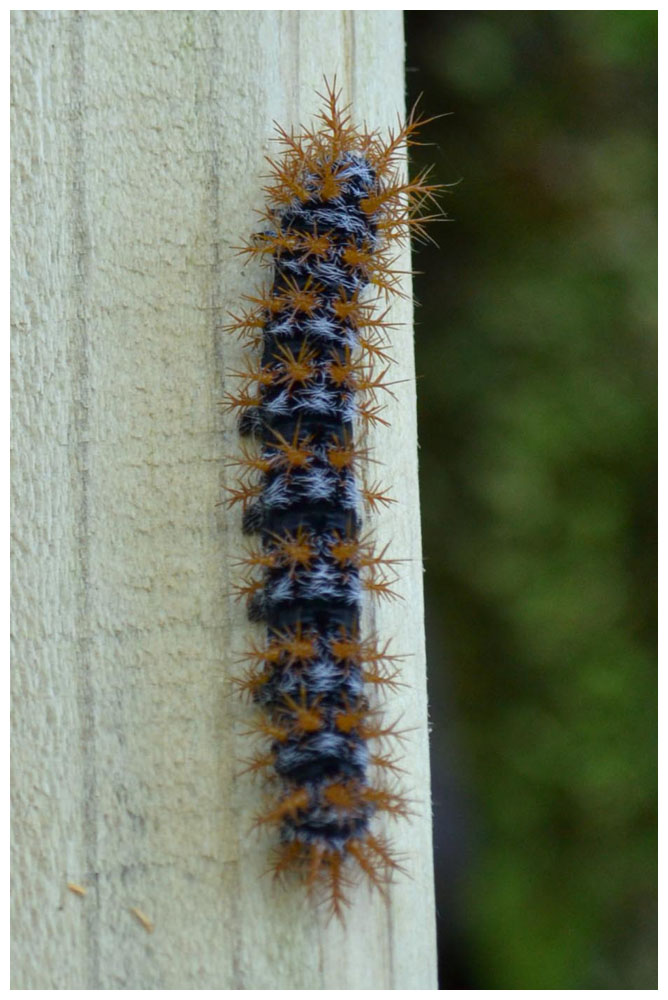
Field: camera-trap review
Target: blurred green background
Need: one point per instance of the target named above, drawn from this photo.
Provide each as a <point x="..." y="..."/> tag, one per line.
<point x="537" y="404"/>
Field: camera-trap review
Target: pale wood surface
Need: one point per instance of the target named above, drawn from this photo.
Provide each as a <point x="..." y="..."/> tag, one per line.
<point x="138" y="143"/>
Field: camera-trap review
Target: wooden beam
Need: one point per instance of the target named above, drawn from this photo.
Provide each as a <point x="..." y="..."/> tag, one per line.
<point x="138" y="145"/>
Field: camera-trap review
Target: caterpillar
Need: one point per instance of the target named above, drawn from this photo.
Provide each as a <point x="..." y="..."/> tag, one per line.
<point x="338" y="209"/>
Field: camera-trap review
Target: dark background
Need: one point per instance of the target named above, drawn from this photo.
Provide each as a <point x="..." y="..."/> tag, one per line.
<point x="537" y="404"/>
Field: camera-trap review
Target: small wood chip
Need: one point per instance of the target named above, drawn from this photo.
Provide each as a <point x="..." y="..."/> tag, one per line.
<point x="145" y="921"/>
<point x="78" y="890"/>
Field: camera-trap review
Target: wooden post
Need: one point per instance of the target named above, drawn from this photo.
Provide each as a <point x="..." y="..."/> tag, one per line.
<point x="138" y="145"/>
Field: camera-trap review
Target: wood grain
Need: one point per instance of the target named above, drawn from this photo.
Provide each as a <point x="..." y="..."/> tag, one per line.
<point x="138" y="145"/>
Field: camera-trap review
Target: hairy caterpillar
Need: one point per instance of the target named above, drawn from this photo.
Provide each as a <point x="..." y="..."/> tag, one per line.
<point x="338" y="206"/>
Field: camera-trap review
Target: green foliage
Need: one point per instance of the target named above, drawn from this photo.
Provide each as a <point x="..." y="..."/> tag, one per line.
<point x="536" y="347"/>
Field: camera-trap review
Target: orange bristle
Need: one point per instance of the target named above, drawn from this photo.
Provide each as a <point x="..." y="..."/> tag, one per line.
<point x="243" y="400"/>
<point x="297" y="646"/>
<point x="242" y="493"/>
<point x="289" y="805"/>
<point x="384" y="800"/>
<point x="261" y="762"/>
<point x="386" y="763"/>
<point x="296" y="369"/>
<point x="295" y="550"/>
<point x="251" y="681"/>
<point x="375" y="497"/>
<point x="304" y="718"/>
<point x="295" y="454"/>
<point x="380" y="585"/>
<point x="251" y="461"/>
<point x="246" y="588"/>
<point x="352" y="719"/>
